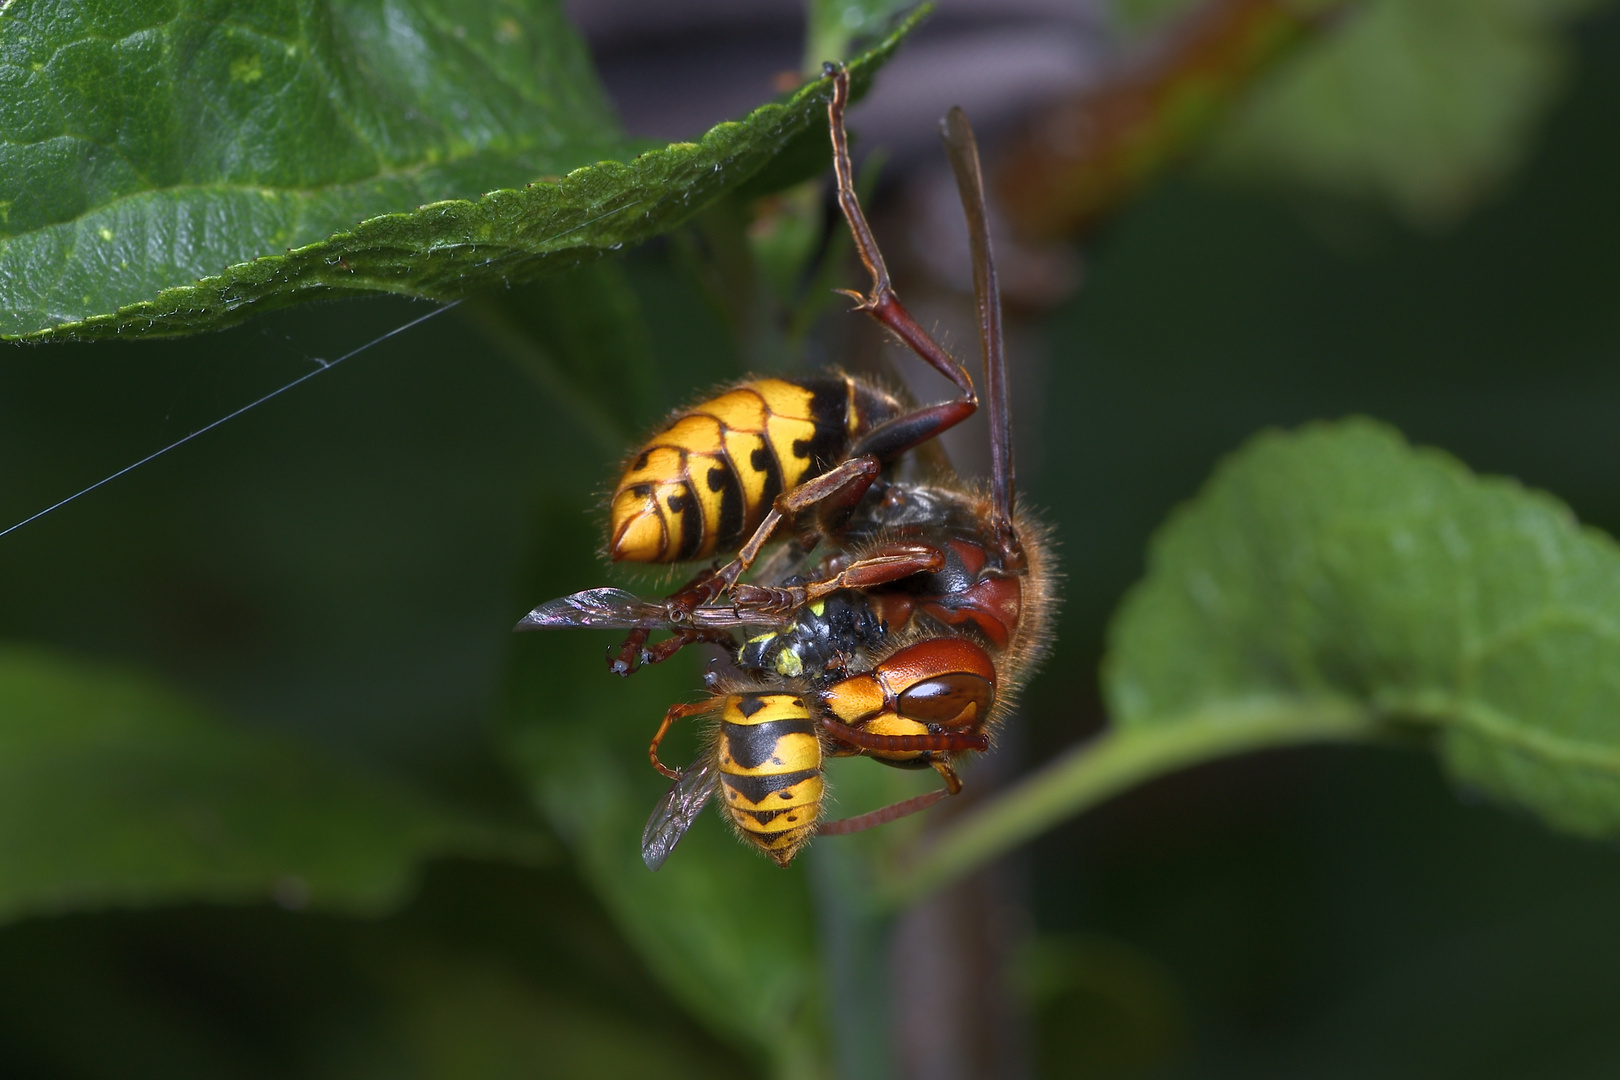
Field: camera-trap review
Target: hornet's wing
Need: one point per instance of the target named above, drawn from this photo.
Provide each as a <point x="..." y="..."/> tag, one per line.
<point x="677" y="810"/>
<point x="615" y="609"/>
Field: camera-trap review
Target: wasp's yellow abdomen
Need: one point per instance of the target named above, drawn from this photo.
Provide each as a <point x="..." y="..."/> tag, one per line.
<point x="770" y="771"/>
<point x="705" y="482"/>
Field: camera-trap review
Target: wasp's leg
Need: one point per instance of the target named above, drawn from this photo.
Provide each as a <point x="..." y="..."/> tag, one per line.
<point x="677" y="712"/>
<point x="629" y="655"/>
<point x="888" y="564"/>
<point x="873" y="818"/>
<point x="680" y="639"/>
<point x="841" y="486"/>
<point x="895" y="811"/>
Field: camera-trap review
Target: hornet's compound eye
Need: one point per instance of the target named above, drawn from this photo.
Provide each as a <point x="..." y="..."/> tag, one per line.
<point x="961" y="700"/>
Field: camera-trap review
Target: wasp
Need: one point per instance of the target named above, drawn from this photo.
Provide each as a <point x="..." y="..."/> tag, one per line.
<point x="897" y="618"/>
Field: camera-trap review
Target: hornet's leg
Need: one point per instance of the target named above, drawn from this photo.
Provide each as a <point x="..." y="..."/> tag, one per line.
<point x="944" y="742"/>
<point x="676" y="712"/>
<point x="632" y="652"/>
<point x="891" y="563"/>
<point x="882" y="304"/>
<point x="874" y="818"/>
<point x="680" y="639"/>
<point x="841" y="486"/>
<point x="953" y="783"/>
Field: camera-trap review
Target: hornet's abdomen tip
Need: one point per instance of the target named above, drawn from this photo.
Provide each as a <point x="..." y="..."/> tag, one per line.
<point x="637" y="530"/>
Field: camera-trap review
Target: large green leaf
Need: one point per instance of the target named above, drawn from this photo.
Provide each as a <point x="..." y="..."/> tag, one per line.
<point x="148" y="145"/>
<point x="116" y="791"/>
<point x="173" y="167"/>
<point x="1335" y="584"/>
<point x="1336" y="568"/>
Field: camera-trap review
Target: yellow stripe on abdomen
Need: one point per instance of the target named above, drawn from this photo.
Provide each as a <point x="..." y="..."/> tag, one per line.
<point x="770" y="771"/>
<point x="705" y="482"/>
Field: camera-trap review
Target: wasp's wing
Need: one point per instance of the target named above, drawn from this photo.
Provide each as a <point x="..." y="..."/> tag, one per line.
<point x="615" y="609"/>
<point x="677" y="810"/>
<point x="612" y="609"/>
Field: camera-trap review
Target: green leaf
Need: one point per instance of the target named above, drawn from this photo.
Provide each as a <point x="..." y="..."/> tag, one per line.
<point x="149" y="145"/>
<point x="1427" y="105"/>
<point x="116" y="791"/>
<point x="1337" y="567"/>
<point x="172" y="167"/>
<point x="1336" y="585"/>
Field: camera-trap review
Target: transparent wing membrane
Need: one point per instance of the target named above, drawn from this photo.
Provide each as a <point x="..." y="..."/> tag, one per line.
<point x="677" y="810"/>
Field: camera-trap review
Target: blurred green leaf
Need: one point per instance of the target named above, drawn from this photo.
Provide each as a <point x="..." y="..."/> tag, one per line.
<point x="1338" y="566"/>
<point x="491" y="971"/>
<point x="831" y="26"/>
<point x="170" y="169"/>
<point x="116" y="791"/>
<point x="728" y="933"/>
<point x="455" y="1016"/>
<point x="557" y="331"/>
<point x="1425" y="104"/>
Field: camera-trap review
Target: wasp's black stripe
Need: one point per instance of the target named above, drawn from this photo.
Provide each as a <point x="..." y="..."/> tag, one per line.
<point x="686" y="505"/>
<point x="752" y="745"/>
<point x="765" y="817"/>
<point x="763" y="459"/>
<point x="723" y="478"/>
<point x="829" y="409"/>
<point x="756" y="788"/>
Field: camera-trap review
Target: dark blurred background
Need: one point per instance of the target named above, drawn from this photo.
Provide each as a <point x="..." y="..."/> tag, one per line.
<point x="345" y="563"/>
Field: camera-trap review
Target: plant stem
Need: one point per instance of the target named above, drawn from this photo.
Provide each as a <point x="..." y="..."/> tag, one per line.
<point x="855" y="940"/>
<point x="1110" y="764"/>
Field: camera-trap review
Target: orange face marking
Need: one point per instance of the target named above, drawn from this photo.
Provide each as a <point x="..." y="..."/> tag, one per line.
<point x="855" y="698"/>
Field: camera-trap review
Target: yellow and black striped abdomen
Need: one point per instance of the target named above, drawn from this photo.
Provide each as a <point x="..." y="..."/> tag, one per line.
<point x="704" y="483"/>
<point x="770" y="771"/>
